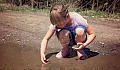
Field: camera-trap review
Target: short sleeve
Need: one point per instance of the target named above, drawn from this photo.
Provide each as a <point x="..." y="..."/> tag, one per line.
<point x="52" y="27"/>
<point x="81" y="20"/>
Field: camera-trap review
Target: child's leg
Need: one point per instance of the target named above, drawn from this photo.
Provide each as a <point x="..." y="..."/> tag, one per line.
<point x="80" y="36"/>
<point x="81" y="55"/>
<point x="64" y="39"/>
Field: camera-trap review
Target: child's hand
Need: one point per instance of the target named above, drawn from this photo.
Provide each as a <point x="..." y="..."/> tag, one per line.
<point x="81" y="45"/>
<point x="43" y="59"/>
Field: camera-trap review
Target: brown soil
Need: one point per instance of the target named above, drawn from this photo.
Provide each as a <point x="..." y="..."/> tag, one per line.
<point x="22" y="32"/>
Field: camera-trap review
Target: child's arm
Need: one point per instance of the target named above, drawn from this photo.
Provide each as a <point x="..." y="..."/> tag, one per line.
<point x="44" y="45"/>
<point x="92" y="35"/>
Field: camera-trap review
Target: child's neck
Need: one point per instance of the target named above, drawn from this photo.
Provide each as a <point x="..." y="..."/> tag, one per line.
<point x="70" y="20"/>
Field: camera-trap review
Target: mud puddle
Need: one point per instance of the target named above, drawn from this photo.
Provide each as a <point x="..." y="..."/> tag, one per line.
<point x="21" y="57"/>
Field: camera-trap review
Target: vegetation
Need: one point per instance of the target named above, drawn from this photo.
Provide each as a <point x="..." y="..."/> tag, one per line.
<point x="102" y="8"/>
<point x="16" y="8"/>
<point x="93" y="13"/>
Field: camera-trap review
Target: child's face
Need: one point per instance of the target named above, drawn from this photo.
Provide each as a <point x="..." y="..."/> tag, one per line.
<point x="62" y="24"/>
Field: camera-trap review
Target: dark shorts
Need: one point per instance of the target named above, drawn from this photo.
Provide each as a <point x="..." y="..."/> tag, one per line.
<point x="72" y="35"/>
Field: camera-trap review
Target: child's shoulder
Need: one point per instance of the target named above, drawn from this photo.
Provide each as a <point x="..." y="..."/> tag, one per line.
<point x="52" y="27"/>
<point x="75" y="14"/>
<point x="79" y="19"/>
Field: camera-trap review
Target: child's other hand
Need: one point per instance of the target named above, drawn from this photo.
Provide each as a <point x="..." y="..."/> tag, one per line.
<point x="81" y="45"/>
<point x="43" y="59"/>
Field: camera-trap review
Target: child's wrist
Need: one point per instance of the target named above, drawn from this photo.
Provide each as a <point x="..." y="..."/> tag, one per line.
<point x="42" y="53"/>
<point x="84" y="44"/>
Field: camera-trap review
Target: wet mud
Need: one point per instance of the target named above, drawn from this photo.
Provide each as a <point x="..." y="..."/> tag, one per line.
<point x="22" y="32"/>
<point x="16" y="57"/>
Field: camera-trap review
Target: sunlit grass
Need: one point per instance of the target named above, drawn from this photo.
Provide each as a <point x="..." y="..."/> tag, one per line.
<point x="87" y="12"/>
<point x="16" y="8"/>
<point x="99" y="14"/>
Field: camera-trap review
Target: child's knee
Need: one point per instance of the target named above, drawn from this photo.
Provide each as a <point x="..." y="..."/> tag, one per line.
<point x="64" y="36"/>
<point x="80" y="32"/>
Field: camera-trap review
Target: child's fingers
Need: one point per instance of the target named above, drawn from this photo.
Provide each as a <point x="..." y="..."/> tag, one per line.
<point x="47" y="60"/>
<point x="44" y="60"/>
<point x="75" y="48"/>
<point x="79" y="44"/>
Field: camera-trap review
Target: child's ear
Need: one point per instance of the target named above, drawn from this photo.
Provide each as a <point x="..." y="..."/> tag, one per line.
<point x="67" y="15"/>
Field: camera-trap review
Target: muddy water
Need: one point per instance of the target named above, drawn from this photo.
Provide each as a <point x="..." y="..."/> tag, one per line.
<point x="21" y="57"/>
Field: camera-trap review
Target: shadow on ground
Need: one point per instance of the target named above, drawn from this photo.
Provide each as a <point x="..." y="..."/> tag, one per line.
<point x="50" y="54"/>
<point x="90" y="53"/>
<point x="86" y="50"/>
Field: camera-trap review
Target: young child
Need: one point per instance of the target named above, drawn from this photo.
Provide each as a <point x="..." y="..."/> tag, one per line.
<point x="71" y="29"/>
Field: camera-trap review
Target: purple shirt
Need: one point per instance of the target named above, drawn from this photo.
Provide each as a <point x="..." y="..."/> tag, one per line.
<point x="77" y="20"/>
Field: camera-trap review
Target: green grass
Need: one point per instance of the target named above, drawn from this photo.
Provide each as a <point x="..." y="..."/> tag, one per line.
<point x="99" y="14"/>
<point x="2" y="1"/>
<point x="16" y="8"/>
<point x="1" y="8"/>
<point x="87" y="12"/>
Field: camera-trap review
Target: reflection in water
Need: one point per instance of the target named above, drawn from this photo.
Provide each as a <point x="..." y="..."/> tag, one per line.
<point x="43" y="67"/>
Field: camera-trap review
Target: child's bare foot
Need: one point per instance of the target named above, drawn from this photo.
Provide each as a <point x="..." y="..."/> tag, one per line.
<point x="81" y="55"/>
<point x="62" y="54"/>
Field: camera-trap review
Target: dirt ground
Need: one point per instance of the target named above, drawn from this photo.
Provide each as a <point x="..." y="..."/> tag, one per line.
<point x="21" y="34"/>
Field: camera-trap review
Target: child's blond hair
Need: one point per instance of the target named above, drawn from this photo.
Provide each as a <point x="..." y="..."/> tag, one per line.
<point x="58" y="13"/>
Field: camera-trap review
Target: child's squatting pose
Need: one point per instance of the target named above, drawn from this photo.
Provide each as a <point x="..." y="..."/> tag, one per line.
<point x="70" y="28"/>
